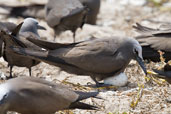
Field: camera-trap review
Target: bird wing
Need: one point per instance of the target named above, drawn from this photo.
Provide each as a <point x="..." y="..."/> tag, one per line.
<point x="74" y="12"/>
<point x="157" y="43"/>
<point x="98" y="56"/>
<point x="23" y="37"/>
<point x="49" y="45"/>
<point x="149" y="32"/>
<point x="155" y="38"/>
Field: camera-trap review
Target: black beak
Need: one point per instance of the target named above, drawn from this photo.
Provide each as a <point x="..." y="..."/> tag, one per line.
<point x="141" y="63"/>
<point x="41" y="27"/>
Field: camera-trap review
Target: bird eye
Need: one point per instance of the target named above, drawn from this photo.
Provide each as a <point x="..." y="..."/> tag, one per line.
<point x="3" y="99"/>
<point x="135" y="51"/>
<point x="5" y="96"/>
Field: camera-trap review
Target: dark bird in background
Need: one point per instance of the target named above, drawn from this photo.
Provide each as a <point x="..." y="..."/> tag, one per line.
<point x="64" y="15"/>
<point x="19" y="38"/>
<point x="98" y="58"/>
<point x="33" y="10"/>
<point x="165" y="73"/>
<point x="153" y="40"/>
<point x="28" y="95"/>
<point x="93" y="10"/>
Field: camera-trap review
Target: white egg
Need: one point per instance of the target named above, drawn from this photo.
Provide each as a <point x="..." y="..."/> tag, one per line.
<point x="118" y="80"/>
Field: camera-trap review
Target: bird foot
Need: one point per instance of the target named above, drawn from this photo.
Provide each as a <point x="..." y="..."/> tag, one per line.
<point x="9" y="77"/>
<point x="102" y="85"/>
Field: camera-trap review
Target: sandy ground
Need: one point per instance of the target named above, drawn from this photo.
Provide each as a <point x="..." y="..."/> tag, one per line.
<point x="116" y="18"/>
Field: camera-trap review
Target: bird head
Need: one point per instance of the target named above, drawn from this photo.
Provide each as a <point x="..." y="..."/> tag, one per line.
<point x="137" y="52"/>
<point x="31" y="25"/>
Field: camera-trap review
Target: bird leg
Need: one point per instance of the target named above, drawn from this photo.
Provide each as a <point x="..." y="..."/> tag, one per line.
<point x="30" y="71"/>
<point x="10" y="71"/>
<point x="73" y="37"/>
<point x="54" y="37"/>
<point x="55" y="34"/>
<point x="94" y="79"/>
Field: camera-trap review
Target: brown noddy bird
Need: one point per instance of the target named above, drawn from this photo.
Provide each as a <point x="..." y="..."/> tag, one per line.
<point x="29" y="95"/>
<point x="153" y="40"/>
<point x="165" y="73"/>
<point x="64" y="15"/>
<point x="19" y="38"/>
<point x="99" y="58"/>
<point x="93" y="10"/>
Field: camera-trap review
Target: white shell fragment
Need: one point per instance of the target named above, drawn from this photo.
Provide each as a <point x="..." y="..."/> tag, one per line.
<point x="119" y="80"/>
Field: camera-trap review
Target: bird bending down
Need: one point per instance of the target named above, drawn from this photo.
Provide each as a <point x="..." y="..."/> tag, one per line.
<point x="19" y="38"/>
<point x="29" y="95"/>
<point x="98" y="58"/>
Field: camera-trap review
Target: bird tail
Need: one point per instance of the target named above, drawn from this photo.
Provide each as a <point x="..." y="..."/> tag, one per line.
<point x="81" y="105"/>
<point x="82" y="96"/>
<point x="143" y="29"/>
<point x="50" y="45"/>
<point x="85" y="95"/>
